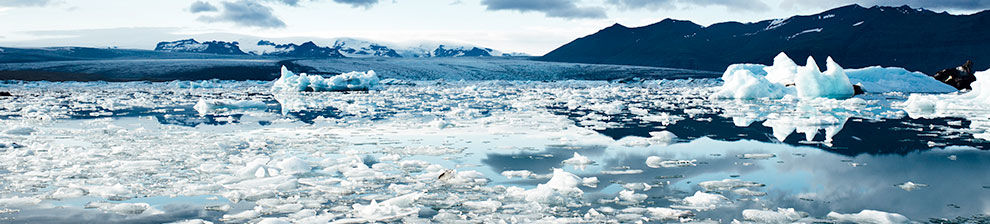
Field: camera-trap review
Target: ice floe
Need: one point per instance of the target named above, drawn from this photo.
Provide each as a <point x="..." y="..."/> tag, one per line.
<point x="869" y="216"/>
<point x="352" y="81"/>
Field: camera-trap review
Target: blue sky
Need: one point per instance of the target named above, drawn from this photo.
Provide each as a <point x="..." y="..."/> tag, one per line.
<point x="530" y="26"/>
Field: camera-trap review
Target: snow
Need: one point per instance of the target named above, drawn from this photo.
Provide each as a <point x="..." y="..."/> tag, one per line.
<point x="776" y="23"/>
<point x="20" y="131"/>
<point x="351" y="81"/>
<point x="858" y="23"/>
<point x="816" y="30"/>
<point x="869" y="216"/>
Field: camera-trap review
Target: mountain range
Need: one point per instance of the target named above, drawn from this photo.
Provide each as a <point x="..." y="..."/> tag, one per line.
<point x="855" y="36"/>
<point x="341" y="47"/>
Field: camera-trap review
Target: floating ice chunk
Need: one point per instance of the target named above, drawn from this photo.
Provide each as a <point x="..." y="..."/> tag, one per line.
<point x="19" y="201"/>
<point x="352" y="81"/>
<point x="294" y="165"/>
<point x="662" y="137"/>
<point x="241" y="216"/>
<point x="742" y="83"/>
<point x="668" y="213"/>
<point x="622" y="172"/>
<point x="757" y="156"/>
<point x="560" y="189"/>
<point x="66" y="193"/>
<point x="578" y="161"/>
<point x="703" y="201"/>
<point x="747" y="81"/>
<point x="274" y="221"/>
<point x="591" y="182"/>
<point x="192" y="221"/>
<point x="748" y="192"/>
<point x="657" y="162"/>
<point x="782" y="215"/>
<point x="20" y="131"/>
<point x="878" y="79"/>
<point x="910" y="186"/>
<point x="653" y="161"/>
<point x="484" y="206"/>
<point x="727" y="184"/>
<point x="869" y="216"/>
<point x="517" y="173"/>
<point x="466" y="178"/>
<point x="812" y="83"/>
<point x="123" y="208"/>
<point x="387" y="210"/>
<point x="637" y="186"/>
<point x="205" y="106"/>
<point x="631" y="196"/>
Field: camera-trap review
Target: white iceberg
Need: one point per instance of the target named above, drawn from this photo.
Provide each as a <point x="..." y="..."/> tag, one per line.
<point x="973" y="105"/>
<point x="351" y="81"/>
<point x="784" y="77"/>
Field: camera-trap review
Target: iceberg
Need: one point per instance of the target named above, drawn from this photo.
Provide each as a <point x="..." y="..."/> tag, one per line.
<point x="784" y="77"/>
<point x="351" y="81"/>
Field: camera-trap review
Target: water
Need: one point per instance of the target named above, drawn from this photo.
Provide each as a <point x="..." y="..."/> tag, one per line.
<point x="327" y="156"/>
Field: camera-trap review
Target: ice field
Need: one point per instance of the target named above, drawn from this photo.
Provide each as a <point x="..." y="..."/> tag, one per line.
<point x="479" y="151"/>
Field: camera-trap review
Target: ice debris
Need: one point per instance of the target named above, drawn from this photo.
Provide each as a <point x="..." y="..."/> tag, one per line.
<point x="869" y="216"/>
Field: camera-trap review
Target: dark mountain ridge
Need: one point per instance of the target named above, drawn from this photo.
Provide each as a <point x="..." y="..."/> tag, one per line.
<point x="915" y="39"/>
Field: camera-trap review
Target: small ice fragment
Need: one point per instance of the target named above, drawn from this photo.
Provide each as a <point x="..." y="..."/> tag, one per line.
<point x="727" y="184"/>
<point x="910" y="186"/>
<point x="868" y="216"/>
<point x="591" y="182"/>
<point x="578" y="161"/>
<point x="517" y="173"/>
<point x="782" y="215"/>
<point x="704" y="201"/>
<point x="953" y="157"/>
<point x="668" y="213"/>
<point x="653" y="161"/>
<point x="631" y="196"/>
<point x="757" y="156"/>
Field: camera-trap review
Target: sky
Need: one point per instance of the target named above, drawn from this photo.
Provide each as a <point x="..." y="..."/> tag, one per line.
<point x="528" y="26"/>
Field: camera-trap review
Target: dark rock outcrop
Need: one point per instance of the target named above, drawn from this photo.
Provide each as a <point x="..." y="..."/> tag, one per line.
<point x="960" y="77"/>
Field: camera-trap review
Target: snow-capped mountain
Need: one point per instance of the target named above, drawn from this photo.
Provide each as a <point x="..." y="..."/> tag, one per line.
<point x="855" y="36"/>
<point x="334" y="48"/>
<point x="305" y="50"/>
<point x="193" y="46"/>
<point x="352" y="47"/>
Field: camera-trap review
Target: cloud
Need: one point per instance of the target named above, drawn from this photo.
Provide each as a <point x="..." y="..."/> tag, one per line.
<point x="201" y="6"/>
<point x="750" y="5"/>
<point x="552" y="8"/>
<point x="246" y="13"/>
<point x="25" y="3"/>
<point x="928" y="4"/>
<point x="358" y="3"/>
<point x="287" y="2"/>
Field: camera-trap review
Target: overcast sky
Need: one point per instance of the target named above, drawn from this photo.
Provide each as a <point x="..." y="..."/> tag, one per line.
<point x="530" y="26"/>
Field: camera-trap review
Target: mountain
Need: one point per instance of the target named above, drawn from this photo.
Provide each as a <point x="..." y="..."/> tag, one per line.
<point x="193" y="46"/>
<point x="352" y="47"/>
<point x="360" y="48"/>
<point x="915" y="39"/>
<point x="305" y="50"/>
